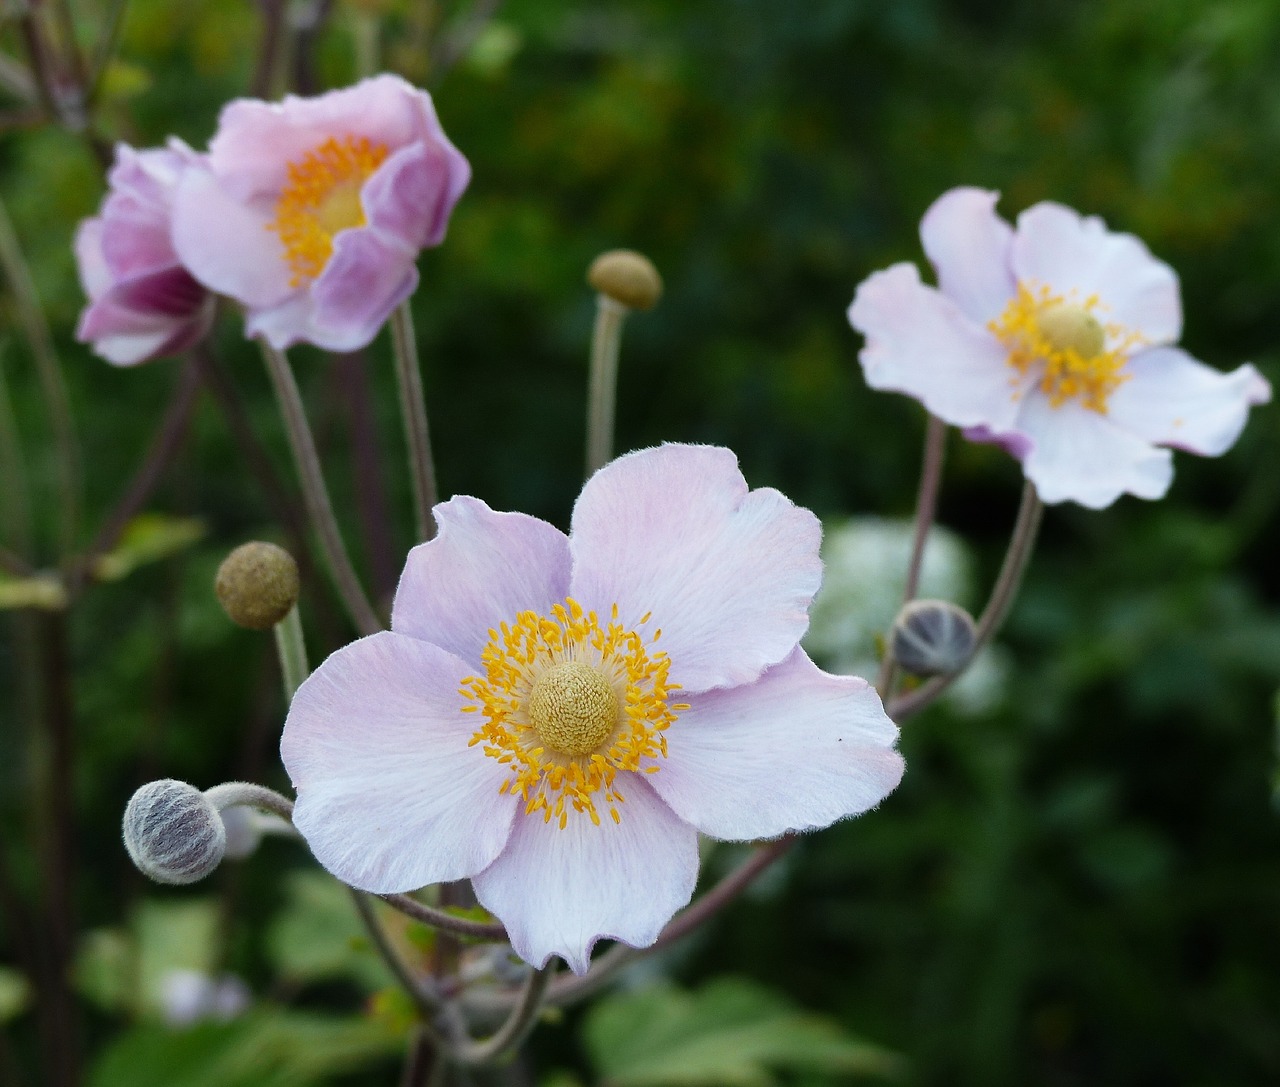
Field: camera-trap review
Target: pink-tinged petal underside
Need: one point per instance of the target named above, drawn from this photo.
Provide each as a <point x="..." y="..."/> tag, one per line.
<point x="1171" y="399"/>
<point x="226" y="245"/>
<point x="135" y="236"/>
<point x="482" y="569"/>
<point x="95" y="276"/>
<point x="1079" y="257"/>
<point x="390" y="797"/>
<point x="1079" y="455"/>
<point x="130" y="348"/>
<point x="727" y="573"/>
<point x="921" y="343"/>
<point x="796" y="750"/>
<point x="968" y="245"/>
<point x="365" y="279"/>
<point x="411" y="195"/>
<point x="559" y="891"/>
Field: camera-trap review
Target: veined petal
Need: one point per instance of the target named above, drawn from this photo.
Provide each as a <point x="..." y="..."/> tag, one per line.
<point x="797" y="750"/>
<point x="1079" y="455"/>
<point x="921" y="343"/>
<point x="365" y="279"/>
<point x="968" y="244"/>
<point x="481" y="570"/>
<point x="411" y="195"/>
<point x="727" y="573"/>
<point x="559" y="891"/>
<point x="1078" y="256"/>
<point x="1171" y="399"/>
<point x="390" y="795"/>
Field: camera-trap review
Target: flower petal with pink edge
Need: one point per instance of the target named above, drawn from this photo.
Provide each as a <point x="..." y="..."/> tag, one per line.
<point x="559" y="891"/>
<point x="1171" y="399"/>
<point x="481" y="570"/>
<point x="365" y="279"/>
<point x="1078" y="256"/>
<point x="968" y="244"/>
<point x="921" y="343"/>
<point x="796" y="750"/>
<point x="411" y="195"/>
<point x="390" y="796"/>
<point x="1079" y="455"/>
<point x="95" y="276"/>
<point x="727" y="573"/>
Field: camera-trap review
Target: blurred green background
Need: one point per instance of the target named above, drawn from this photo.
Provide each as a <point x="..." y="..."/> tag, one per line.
<point x="1077" y="884"/>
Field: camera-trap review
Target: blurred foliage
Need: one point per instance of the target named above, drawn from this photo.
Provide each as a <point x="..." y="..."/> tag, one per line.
<point x="1079" y="886"/>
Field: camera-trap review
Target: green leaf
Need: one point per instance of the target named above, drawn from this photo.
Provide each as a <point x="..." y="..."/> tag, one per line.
<point x="149" y="537"/>
<point x="15" y="994"/>
<point x="731" y="1033"/>
<point x="43" y="591"/>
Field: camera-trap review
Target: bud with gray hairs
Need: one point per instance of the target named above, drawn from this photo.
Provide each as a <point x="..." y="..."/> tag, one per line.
<point x="932" y="638"/>
<point x="173" y="832"/>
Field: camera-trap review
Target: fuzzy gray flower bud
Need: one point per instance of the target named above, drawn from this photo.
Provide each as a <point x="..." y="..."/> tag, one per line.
<point x="932" y="638"/>
<point x="627" y="277"/>
<point x="173" y="833"/>
<point x="257" y="584"/>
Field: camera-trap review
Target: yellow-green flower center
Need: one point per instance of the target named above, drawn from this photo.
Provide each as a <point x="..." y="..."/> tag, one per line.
<point x="573" y="708"/>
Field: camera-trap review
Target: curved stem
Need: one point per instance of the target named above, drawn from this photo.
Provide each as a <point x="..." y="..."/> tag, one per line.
<point x="425" y="1002"/>
<point x="319" y="508"/>
<point x="292" y="651"/>
<point x="429" y="915"/>
<point x="413" y="408"/>
<point x="1021" y="545"/>
<point x="231" y="794"/>
<point x="523" y="1017"/>
<point x="935" y="444"/>
<point x="602" y="394"/>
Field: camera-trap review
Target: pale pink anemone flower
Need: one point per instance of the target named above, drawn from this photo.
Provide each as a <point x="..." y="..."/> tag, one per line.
<point x="142" y="302"/>
<point x="1054" y="339"/>
<point x="311" y="212"/>
<point x="557" y="718"/>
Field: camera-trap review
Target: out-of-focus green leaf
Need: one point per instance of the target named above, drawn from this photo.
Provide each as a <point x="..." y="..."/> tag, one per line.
<point x="43" y="591"/>
<point x="15" y="994"/>
<point x="104" y="968"/>
<point x="149" y="537"/>
<point x="731" y="1032"/>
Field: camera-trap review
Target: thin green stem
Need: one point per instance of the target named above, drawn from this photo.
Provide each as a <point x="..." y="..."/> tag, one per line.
<point x="413" y="408"/>
<point x="365" y="30"/>
<point x="602" y="390"/>
<point x="1021" y="545"/>
<point x="523" y="1018"/>
<point x="105" y="48"/>
<point x="316" y="495"/>
<point x="52" y="382"/>
<point x="427" y="1004"/>
<point x="292" y="651"/>
<point x="15" y="501"/>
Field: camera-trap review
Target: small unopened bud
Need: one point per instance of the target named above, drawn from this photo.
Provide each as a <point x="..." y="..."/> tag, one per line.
<point x="932" y="638"/>
<point x="257" y="584"/>
<point x="627" y="277"/>
<point x="173" y="832"/>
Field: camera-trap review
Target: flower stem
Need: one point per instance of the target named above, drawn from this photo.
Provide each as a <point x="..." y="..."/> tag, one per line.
<point x="602" y="392"/>
<point x="429" y="915"/>
<point x="426" y="1003"/>
<point x="1021" y="545"/>
<point x="935" y="445"/>
<point x="523" y="1017"/>
<point x="413" y="408"/>
<point x="15" y="502"/>
<point x="232" y="794"/>
<point x="319" y="508"/>
<point x="292" y="651"/>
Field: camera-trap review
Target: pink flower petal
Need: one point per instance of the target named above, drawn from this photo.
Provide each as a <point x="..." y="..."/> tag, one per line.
<point x="1171" y="399"/>
<point x="365" y="279"/>
<point x="727" y="573"/>
<point x="411" y="195"/>
<point x="131" y="348"/>
<point x="920" y="342"/>
<point x="283" y="324"/>
<point x="481" y="570"/>
<point x="968" y="244"/>
<point x="1079" y="455"/>
<point x="390" y="797"/>
<point x="559" y="891"/>
<point x="795" y="750"/>
<point x="1077" y="255"/>
<point x="95" y="276"/>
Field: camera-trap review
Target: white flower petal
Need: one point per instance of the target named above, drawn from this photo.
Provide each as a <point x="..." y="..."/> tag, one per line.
<point x="1079" y="455"/>
<point x="727" y="573"/>
<point x="481" y="570"/>
<point x="559" y="891"/>
<point x="920" y="342"/>
<point x="1171" y="399"/>
<point x="797" y="749"/>
<point x="968" y="244"/>
<point x="1078" y="256"/>
<point x="390" y="795"/>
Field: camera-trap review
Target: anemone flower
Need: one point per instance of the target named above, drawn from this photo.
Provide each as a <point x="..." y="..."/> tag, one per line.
<point x="1053" y="338"/>
<point x="142" y="302"/>
<point x="557" y="718"/>
<point x="311" y="212"/>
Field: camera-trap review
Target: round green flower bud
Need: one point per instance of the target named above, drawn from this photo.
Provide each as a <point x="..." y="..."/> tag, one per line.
<point x="627" y="277"/>
<point x="257" y="584"/>
<point x="173" y="833"/>
<point x="932" y="638"/>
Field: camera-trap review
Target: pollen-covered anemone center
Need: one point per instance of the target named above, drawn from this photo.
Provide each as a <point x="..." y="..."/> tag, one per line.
<point x="571" y="705"/>
<point x="1065" y="341"/>
<point x="320" y="198"/>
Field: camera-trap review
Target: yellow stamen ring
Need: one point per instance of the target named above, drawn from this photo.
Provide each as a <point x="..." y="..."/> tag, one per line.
<point x="321" y="198"/>
<point x="1065" y="336"/>
<point x="569" y="703"/>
